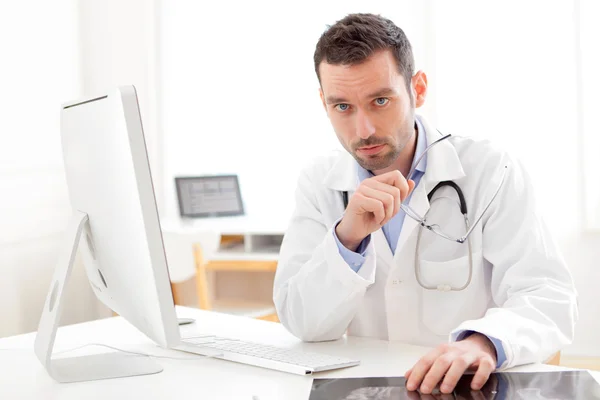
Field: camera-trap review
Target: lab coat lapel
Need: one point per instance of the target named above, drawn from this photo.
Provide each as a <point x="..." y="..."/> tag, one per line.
<point x="382" y="248"/>
<point x="443" y="164"/>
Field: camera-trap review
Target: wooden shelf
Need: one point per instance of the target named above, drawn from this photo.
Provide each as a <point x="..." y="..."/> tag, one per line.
<point x="242" y="256"/>
<point x="239" y="253"/>
<point x="242" y="265"/>
<point x="592" y="363"/>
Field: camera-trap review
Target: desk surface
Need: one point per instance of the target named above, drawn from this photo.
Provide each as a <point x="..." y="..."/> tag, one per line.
<point x="22" y="376"/>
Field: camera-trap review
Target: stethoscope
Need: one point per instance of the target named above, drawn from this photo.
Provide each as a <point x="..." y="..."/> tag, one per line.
<point x="463" y="209"/>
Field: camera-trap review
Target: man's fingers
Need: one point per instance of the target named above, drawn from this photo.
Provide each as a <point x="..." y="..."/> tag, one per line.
<point x="383" y="187"/>
<point x="396" y="179"/>
<point x="372" y="205"/>
<point x="421" y="367"/>
<point x="437" y="371"/>
<point x="407" y="374"/>
<point x="447" y="364"/>
<point x="486" y="367"/>
<point x="411" y="186"/>
<point x="459" y="365"/>
<point x="385" y="198"/>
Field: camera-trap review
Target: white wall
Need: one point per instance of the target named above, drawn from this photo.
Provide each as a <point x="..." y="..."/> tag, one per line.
<point x="57" y="52"/>
<point x="39" y="71"/>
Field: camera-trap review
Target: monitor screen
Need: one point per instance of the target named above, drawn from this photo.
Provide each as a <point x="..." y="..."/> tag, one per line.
<point x="209" y="196"/>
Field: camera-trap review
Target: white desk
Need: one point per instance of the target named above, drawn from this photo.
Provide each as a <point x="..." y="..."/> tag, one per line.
<point x="22" y="376"/>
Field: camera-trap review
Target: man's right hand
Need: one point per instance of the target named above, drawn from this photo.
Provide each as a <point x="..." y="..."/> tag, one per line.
<point x="374" y="203"/>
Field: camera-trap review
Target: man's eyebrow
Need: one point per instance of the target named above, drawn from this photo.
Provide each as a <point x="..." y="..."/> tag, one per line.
<point x="334" y="100"/>
<point x="383" y="93"/>
<point x="379" y="93"/>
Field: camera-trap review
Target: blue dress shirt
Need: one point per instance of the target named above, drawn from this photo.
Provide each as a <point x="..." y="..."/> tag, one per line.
<point x="392" y="228"/>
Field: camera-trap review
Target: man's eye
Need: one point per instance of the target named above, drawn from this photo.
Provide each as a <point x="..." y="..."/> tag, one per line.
<point x="342" y="107"/>
<point x="381" y="101"/>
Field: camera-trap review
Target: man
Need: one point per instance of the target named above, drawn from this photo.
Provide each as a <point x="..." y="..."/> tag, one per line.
<point x="499" y="297"/>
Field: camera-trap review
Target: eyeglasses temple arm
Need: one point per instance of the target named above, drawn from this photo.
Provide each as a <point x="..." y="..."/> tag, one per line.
<point x="474" y="223"/>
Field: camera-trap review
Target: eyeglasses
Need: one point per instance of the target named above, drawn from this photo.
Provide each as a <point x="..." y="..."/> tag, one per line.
<point x="435" y="228"/>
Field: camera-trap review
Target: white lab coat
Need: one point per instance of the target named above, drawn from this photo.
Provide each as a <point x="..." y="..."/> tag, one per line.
<point x="521" y="291"/>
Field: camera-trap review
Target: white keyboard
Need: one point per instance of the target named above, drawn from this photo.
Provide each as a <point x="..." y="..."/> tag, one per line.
<point x="261" y="355"/>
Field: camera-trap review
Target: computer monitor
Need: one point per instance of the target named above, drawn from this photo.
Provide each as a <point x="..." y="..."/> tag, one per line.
<point x="209" y="196"/>
<point x="116" y="228"/>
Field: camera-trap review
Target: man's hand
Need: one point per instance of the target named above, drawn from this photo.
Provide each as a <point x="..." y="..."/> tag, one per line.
<point x="452" y="360"/>
<point x="374" y="203"/>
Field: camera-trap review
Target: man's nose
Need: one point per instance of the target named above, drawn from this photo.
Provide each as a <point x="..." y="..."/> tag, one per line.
<point x="364" y="127"/>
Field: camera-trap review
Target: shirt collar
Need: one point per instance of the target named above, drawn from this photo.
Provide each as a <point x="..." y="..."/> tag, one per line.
<point x="420" y="149"/>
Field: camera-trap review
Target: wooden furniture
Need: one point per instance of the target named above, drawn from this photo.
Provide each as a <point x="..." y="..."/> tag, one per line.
<point x="227" y="263"/>
<point x="23" y="377"/>
<point x="224" y="261"/>
<point x="554" y="360"/>
<point x="581" y="362"/>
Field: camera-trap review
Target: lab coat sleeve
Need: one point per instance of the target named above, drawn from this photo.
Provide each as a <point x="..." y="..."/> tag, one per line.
<point x="498" y="345"/>
<point x="315" y="292"/>
<point x="535" y="299"/>
<point x="354" y="259"/>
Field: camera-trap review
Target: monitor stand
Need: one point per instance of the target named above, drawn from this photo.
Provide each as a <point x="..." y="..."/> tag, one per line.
<point x="83" y="368"/>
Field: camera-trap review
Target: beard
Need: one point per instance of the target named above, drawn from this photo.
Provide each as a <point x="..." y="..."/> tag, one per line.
<point x="388" y="155"/>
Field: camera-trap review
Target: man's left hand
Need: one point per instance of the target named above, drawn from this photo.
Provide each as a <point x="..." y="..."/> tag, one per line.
<point x="449" y="362"/>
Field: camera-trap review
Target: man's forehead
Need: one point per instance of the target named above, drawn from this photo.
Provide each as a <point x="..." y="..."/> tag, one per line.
<point x="368" y="69"/>
<point x="377" y="73"/>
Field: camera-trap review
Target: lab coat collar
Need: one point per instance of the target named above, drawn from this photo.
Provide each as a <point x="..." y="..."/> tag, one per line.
<point x="342" y="175"/>
<point x="443" y="164"/>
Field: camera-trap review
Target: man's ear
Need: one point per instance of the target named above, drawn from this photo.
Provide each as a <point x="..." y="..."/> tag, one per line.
<point x="419" y="88"/>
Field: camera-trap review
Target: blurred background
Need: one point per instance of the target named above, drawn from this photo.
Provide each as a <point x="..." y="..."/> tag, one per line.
<point x="229" y="88"/>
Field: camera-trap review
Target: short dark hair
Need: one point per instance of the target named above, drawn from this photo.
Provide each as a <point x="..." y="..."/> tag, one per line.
<point x="356" y="37"/>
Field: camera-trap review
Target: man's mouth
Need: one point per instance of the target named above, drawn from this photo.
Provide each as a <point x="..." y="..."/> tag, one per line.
<point x="371" y="150"/>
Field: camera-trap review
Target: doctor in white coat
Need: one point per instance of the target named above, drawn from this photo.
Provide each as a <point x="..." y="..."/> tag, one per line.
<point x="387" y="264"/>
